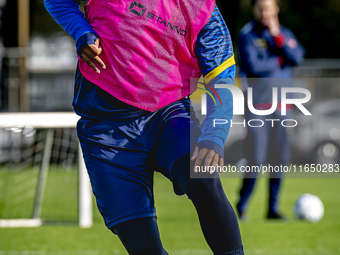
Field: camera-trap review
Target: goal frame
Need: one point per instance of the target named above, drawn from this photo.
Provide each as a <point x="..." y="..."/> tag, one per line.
<point x="50" y="121"/>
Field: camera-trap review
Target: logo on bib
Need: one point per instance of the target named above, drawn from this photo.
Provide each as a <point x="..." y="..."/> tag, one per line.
<point x="137" y="9"/>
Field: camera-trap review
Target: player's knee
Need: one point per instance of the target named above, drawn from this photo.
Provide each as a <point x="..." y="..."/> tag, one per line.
<point x="202" y="189"/>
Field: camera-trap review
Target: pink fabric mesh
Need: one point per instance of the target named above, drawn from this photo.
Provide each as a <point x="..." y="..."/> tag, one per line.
<point x="149" y="65"/>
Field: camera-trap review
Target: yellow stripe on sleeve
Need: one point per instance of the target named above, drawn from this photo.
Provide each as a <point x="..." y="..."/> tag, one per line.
<point x="228" y="63"/>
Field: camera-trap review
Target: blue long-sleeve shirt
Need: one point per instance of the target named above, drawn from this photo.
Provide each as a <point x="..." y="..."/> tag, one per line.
<point x="214" y="52"/>
<point x="261" y="57"/>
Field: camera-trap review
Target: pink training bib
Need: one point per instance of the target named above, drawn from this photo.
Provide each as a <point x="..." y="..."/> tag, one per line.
<point x="148" y="48"/>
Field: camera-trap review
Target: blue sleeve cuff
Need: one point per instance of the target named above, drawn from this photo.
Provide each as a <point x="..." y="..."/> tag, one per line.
<point x="86" y="39"/>
<point x="211" y="145"/>
<point x="218" y="134"/>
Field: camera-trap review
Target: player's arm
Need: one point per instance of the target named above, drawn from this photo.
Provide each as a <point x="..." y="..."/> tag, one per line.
<point x="289" y="48"/>
<point x="67" y="14"/>
<point x="251" y="62"/>
<point x="215" y="55"/>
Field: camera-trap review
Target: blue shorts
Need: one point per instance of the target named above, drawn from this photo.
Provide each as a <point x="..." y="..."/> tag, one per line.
<point x="123" y="149"/>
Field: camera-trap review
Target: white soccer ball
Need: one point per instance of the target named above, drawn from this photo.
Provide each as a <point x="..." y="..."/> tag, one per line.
<point x="309" y="207"/>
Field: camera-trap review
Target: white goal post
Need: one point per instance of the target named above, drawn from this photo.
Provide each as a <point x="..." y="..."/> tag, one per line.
<point x="50" y="121"/>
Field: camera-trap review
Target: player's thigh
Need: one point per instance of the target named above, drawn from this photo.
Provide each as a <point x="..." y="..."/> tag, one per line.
<point x="193" y="185"/>
<point x="123" y="187"/>
<point x="177" y="135"/>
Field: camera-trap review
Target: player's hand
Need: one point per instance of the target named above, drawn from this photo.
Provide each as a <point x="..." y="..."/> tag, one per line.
<point x="273" y="25"/>
<point x="207" y="156"/>
<point x="90" y="54"/>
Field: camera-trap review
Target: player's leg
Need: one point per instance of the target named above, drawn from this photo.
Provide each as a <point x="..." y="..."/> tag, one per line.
<point x="217" y="217"/>
<point x="274" y="189"/>
<point x="122" y="187"/>
<point x="256" y="152"/>
<point x="278" y="155"/>
<point x="140" y="236"/>
<point x="173" y="144"/>
<point x="245" y="192"/>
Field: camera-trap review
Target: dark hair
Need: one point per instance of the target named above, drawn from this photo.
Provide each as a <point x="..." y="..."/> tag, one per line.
<point x="253" y="2"/>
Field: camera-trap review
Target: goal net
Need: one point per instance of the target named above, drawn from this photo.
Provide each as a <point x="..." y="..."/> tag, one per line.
<point x="42" y="174"/>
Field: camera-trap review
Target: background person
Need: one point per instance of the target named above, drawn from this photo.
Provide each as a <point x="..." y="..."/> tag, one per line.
<point x="268" y="51"/>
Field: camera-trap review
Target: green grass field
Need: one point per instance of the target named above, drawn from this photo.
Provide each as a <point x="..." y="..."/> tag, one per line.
<point x="179" y="226"/>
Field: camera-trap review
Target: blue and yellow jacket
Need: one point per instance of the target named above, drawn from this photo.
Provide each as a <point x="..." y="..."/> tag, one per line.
<point x="267" y="57"/>
<point x="262" y="55"/>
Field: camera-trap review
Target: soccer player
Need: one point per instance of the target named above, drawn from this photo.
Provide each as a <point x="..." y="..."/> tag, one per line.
<point x="136" y="63"/>
<point x="268" y="51"/>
